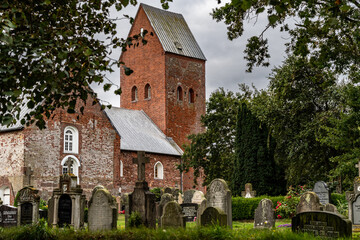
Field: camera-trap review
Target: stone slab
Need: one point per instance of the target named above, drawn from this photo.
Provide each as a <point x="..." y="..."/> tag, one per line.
<point x="323" y="192"/>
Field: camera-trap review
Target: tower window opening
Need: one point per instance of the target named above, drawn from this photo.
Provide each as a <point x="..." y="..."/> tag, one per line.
<point x="179" y="94"/>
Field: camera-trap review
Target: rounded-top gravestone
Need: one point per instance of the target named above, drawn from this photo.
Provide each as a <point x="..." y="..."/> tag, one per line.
<point x="188" y="195"/>
<point x="309" y="201"/>
<point x="172" y="216"/>
<point x="198" y="197"/>
<point x="264" y="214"/>
<point x="323" y="192"/>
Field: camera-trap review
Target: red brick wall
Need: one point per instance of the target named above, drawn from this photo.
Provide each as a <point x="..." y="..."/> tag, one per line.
<point x="98" y="147"/>
<point x="171" y="174"/>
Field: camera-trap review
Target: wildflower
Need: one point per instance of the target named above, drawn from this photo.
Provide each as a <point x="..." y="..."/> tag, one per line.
<point x="279" y="216"/>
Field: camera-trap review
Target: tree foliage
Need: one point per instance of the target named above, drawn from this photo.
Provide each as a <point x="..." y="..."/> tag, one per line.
<point x="50" y="52"/>
<point x="326" y="31"/>
<point x="213" y="150"/>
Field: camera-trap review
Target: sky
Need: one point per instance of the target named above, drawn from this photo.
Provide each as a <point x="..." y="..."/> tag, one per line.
<point x="225" y="65"/>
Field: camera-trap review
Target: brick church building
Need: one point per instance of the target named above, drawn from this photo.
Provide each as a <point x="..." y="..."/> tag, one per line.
<point x="161" y="104"/>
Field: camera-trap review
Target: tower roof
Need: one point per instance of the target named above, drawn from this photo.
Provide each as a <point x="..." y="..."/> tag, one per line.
<point x="173" y="32"/>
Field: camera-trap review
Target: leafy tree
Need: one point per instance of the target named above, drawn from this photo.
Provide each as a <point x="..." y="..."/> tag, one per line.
<point x="50" y="52"/>
<point x="213" y="150"/>
<point x="299" y="101"/>
<point x="326" y="31"/>
<point x="254" y="157"/>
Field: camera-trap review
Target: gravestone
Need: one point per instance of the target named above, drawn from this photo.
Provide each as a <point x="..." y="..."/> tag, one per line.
<point x="219" y="195"/>
<point x="331" y="208"/>
<point x="165" y="198"/>
<point x="175" y="194"/>
<point x="264" y="214"/>
<point x="248" y="193"/>
<point x="354" y="203"/>
<point x="141" y="199"/>
<point x="102" y="213"/>
<point x="200" y="211"/>
<point x="188" y="195"/>
<point x="190" y="211"/>
<point x="309" y="201"/>
<point x="356" y="211"/>
<point x="198" y="197"/>
<point x="168" y="190"/>
<point x="180" y="198"/>
<point x="172" y="216"/>
<point x="323" y="192"/>
<point x="214" y="216"/>
<point x="8" y="216"/>
<point x="322" y="224"/>
<point x="67" y="205"/>
<point x="28" y="206"/>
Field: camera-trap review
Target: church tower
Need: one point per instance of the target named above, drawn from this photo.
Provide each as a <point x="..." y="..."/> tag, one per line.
<point x="168" y="82"/>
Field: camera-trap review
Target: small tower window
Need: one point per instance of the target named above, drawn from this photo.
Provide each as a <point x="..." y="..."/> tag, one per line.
<point x="147" y="91"/>
<point x="179" y="94"/>
<point x="158" y="171"/>
<point x="121" y="169"/>
<point x="71" y="140"/>
<point x="134" y="94"/>
<point x="191" y="96"/>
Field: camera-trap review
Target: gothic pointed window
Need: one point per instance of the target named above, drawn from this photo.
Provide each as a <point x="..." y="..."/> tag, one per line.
<point x="121" y="169"/>
<point x="147" y="91"/>
<point x="191" y="96"/>
<point x="158" y="171"/>
<point x="71" y="140"/>
<point x="179" y="93"/>
<point x="134" y="94"/>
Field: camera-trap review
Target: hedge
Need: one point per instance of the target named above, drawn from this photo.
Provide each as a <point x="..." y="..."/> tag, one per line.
<point x="244" y="208"/>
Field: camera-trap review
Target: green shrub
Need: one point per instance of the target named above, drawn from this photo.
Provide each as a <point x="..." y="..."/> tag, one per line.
<point x="244" y="208"/>
<point x="157" y="192"/>
<point x="135" y="219"/>
<point x="339" y="200"/>
<point x="286" y="208"/>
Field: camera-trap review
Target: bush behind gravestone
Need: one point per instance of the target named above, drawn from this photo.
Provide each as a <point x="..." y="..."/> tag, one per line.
<point x="135" y="220"/>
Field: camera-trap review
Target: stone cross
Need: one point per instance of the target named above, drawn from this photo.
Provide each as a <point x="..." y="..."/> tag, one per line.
<point x="28" y="173"/>
<point x="69" y="163"/>
<point x="358" y="166"/>
<point x="140" y="161"/>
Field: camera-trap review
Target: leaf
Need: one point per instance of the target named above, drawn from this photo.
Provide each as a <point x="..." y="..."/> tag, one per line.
<point x="107" y="87"/>
<point x="272" y="19"/>
<point x="260" y="10"/>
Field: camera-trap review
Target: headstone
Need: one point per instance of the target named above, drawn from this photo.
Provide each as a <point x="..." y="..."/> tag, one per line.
<point x="165" y="198"/>
<point x="322" y="224"/>
<point x="190" y="211"/>
<point x="198" y="197"/>
<point x="172" y="216"/>
<point x="8" y="216"/>
<point x="141" y="199"/>
<point x="180" y="198"/>
<point x="168" y="190"/>
<point x="309" y="201"/>
<point x="201" y="209"/>
<point x="323" y="192"/>
<point x="67" y="205"/>
<point x="219" y="195"/>
<point x="175" y="194"/>
<point x="352" y="197"/>
<point x="356" y="211"/>
<point x="102" y="211"/>
<point x="214" y="216"/>
<point x="188" y="195"/>
<point x="28" y="206"/>
<point x="264" y="214"/>
<point x="248" y="193"/>
<point x="331" y="208"/>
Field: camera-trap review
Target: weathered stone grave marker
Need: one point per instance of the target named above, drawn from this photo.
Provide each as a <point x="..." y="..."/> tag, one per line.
<point x="248" y="193"/>
<point x="214" y="216"/>
<point x="190" y="211"/>
<point x="323" y="192"/>
<point x="309" y="201"/>
<point x="8" y="216"/>
<point x="165" y="198"/>
<point x="28" y="206"/>
<point x="188" y="195"/>
<point x="198" y="197"/>
<point x="67" y="204"/>
<point x="354" y="203"/>
<point x="102" y="211"/>
<point x="323" y="224"/>
<point x="172" y="216"/>
<point x="141" y="199"/>
<point x="219" y="195"/>
<point x="200" y="211"/>
<point x="264" y="214"/>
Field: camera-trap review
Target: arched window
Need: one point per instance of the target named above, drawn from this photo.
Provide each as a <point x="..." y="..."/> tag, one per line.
<point x="179" y="93"/>
<point x="134" y="94"/>
<point x="191" y="96"/>
<point x="158" y="171"/>
<point x="74" y="164"/>
<point x="71" y="140"/>
<point x="147" y="91"/>
<point x="121" y="169"/>
<point x="5" y="195"/>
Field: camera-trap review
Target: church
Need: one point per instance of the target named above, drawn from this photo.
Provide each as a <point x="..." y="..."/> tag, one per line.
<point x="161" y="104"/>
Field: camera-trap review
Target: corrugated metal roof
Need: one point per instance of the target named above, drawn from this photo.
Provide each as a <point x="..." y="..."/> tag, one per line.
<point x="18" y="125"/>
<point x="173" y="32"/>
<point x="139" y="133"/>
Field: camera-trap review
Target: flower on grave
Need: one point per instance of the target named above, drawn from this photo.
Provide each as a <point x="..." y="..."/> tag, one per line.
<point x="194" y="219"/>
<point x="279" y="216"/>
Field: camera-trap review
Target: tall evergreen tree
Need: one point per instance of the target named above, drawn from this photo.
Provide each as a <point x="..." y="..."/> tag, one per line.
<point x="254" y="156"/>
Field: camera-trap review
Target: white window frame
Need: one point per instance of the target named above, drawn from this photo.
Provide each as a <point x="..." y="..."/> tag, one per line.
<point x="158" y="170"/>
<point x="75" y="168"/>
<point x="5" y="195"/>
<point x="74" y="142"/>
<point x="121" y="169"/>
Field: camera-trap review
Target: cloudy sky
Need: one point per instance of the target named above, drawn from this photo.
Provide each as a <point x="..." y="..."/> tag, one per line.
<point x="225" y="66"/>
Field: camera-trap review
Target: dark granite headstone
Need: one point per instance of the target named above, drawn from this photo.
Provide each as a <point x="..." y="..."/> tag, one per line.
<point x="190" y="211"/>
<point x="26" y="213"/>
<point x="172" y="216"/>
<point x="264" y="214"/>
<point x="214" y="216"/>
<point x="8" y="216"/>
<point x="323" y="192"/>
<point x="64" y="212"/>
<point x="188" y="195"/>
<point x="323" y="224"/>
